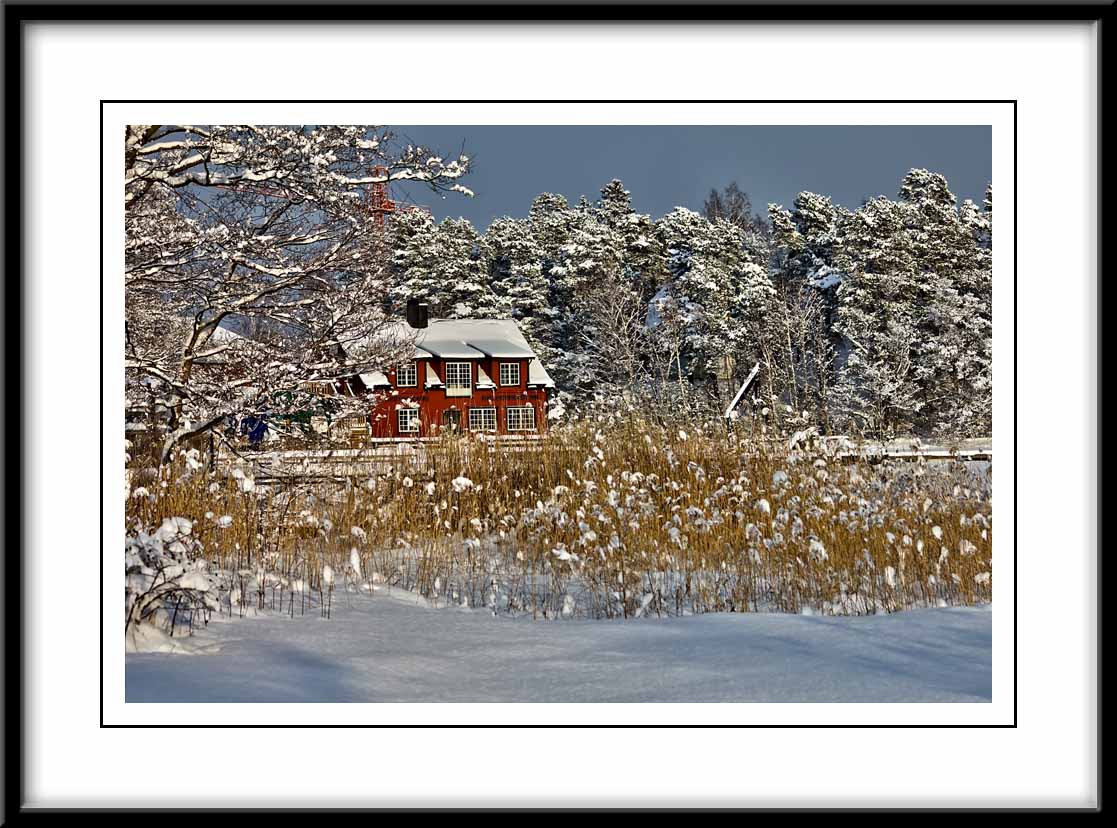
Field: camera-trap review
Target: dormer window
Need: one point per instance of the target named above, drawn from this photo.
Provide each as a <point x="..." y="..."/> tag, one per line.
<point x="459" y="379"/>
<point x="509" y="373"/>
<point x="407" y="375"/>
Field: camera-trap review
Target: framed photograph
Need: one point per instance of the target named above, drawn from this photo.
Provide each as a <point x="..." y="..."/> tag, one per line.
<point x="618" y="394"/>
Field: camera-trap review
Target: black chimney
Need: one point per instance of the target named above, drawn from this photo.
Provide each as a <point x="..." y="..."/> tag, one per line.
<point x="417" y="313"/>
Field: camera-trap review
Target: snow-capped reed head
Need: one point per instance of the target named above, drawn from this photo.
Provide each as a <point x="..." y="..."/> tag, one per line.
<point x="764" y="506"/>
<point x="174" y="527"/>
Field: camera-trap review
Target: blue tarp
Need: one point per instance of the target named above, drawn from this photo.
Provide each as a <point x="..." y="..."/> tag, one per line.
<point x="254" y="427"/>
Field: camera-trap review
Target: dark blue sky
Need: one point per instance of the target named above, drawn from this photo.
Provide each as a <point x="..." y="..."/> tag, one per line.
<point x="668" y="166"/>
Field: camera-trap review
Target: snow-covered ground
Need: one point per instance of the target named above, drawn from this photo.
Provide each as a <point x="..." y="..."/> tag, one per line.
<point x="392" y="647"/>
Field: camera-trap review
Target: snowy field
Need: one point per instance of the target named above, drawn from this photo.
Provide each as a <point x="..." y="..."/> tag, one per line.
<point x="392" y="647"/>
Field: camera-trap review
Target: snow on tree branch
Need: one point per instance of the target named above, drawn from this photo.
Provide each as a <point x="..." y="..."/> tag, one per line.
<point x="252" y="265"/>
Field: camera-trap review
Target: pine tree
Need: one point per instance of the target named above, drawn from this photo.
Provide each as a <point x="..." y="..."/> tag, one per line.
<point x="413" y="249"/>
<point x="517" y="280"/>
<point x="445" y="265"/>
<point x="915" y="308"/>
<point x="878" y="315"/>
<point x="590" y="263"/>
<point x="465" y="272"/>
<point x="719" y="293"/>
<point x="642" y="252"/>
<point x="806" y="239"/>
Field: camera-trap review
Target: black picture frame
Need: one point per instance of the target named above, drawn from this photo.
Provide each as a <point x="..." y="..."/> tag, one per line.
<point x="17" y="15"/>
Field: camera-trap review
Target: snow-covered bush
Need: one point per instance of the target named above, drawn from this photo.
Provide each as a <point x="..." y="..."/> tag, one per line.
<point x="167" y="582"/>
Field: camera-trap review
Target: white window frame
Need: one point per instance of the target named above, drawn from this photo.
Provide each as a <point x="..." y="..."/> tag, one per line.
<point x="412" y="419"/>
<point x="413" y="371"/>
<point x="519" y="417"/>
<point x="487" y="417"/>
<point x="452" y="384"/>
<point x="510" y="366"/>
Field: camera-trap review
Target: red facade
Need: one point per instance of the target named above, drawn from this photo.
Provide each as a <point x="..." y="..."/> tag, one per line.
<point x="482" y="394"/>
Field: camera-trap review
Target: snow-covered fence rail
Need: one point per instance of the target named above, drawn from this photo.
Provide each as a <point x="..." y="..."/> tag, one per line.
<point x="387" y="455"/>
<point x="842" y="448"/>
<point x="378" y="457"/>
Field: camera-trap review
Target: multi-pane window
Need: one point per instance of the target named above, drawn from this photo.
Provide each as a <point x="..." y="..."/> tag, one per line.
<point x="521" y="419"/>
<point x="408" y="420"/>
<point x="459" y="376"/>
<point x="482" y="419"/>
<point x="509" y="373"/>
<point x="407" y="375"/>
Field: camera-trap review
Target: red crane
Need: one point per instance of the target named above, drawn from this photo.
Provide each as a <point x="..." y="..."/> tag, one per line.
<point x="377" y="201"/>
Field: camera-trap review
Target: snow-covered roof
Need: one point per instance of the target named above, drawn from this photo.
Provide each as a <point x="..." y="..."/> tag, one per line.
<point x="374" y="379"/>
<point x="537" y="375"/>
<point x="466" y="339"/>
<point x="432" y="378"/>
<point x="222" y="335"/>
<point x="449" y="348"/>
<point x="483" y="379"/>
<point x="501" y="348"/>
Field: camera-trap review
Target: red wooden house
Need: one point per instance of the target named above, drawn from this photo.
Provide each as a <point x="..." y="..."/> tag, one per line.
<point x="467" y="375"/>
